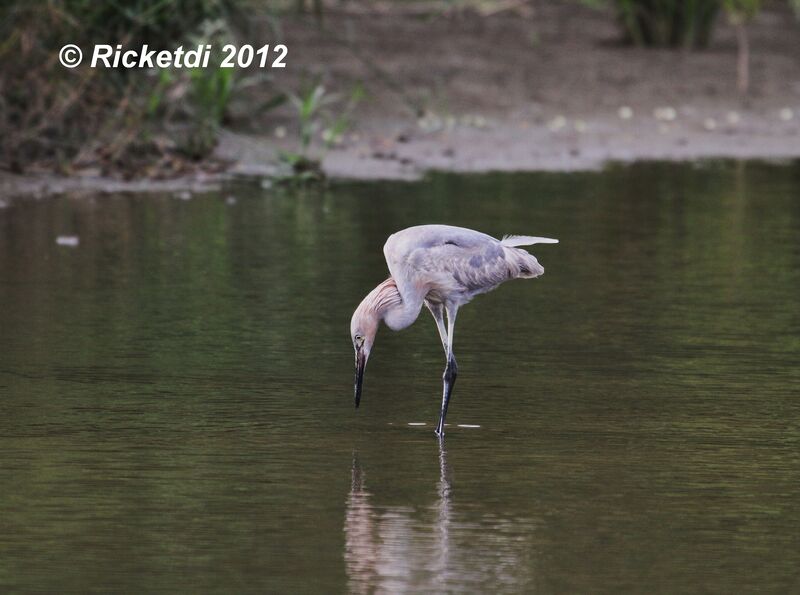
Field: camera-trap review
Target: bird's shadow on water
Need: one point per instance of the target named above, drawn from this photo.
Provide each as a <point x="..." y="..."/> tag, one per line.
<point x="430" y="548"/>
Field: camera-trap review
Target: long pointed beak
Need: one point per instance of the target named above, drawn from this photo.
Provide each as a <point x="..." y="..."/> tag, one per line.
<point x="361" y="363"/>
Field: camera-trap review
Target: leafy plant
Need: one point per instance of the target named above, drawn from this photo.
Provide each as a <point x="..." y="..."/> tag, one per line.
<point x="209" y="91"/>
<point x="314" y="116"/>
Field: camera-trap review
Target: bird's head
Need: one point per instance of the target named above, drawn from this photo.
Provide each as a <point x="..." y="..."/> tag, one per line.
<point x="365" y="321"/>
<point x="363" y="328"/>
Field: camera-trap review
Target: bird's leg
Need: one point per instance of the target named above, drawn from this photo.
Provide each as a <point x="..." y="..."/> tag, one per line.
<point x="450" y="371"/>
<point x="437" y="311"/>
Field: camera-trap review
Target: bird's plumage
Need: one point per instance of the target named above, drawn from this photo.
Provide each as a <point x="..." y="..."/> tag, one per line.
<point x="526" y="240"/>
<point x="443" y="263"/>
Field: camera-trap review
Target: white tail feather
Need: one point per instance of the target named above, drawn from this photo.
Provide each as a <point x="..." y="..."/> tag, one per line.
<point x="525" y="240"/>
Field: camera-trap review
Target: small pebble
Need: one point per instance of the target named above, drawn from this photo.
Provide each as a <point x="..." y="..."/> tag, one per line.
<point x="70" y="241"/>
<point x="710" y="124"/>
<point x="185" y="195"/>
<point x="733" y="118"/>
<point x="786" y="114"/>
<point x="266" y="183"/>
<point x="625" y="112"/>
<point x="667" y="114"/>
<point x="580" y="126"/>
<point x="230" y="200"/>
<point x="557" y="123"/>
<point x="430" y="122"/>
<point x="280" y="132"/>
<point x="327" y="135"/>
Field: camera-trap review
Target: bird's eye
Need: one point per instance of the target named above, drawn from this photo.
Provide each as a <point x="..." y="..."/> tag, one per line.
<point x="359" y="340"/>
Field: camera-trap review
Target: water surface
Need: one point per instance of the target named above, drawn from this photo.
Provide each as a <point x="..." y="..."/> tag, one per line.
<point x="176" y="391"/>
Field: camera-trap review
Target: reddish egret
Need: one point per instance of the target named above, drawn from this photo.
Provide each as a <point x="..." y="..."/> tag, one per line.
<point x="443" y="267"/>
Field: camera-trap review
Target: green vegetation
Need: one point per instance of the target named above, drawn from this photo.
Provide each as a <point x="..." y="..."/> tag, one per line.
<point x="672" y="24"/>
<point x="677" y="23"/>
<point x="315" y="115"/>
<point x="65" y="119"/>
<point x="664" y="23"/>
<point x="210" y="91"/>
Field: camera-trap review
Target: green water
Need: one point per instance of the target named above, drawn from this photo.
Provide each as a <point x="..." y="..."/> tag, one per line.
<point x="176" y="392"/>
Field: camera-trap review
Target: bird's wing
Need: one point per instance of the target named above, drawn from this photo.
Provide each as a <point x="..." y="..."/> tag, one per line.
<point x="446" y="260"/>
<point x="406" y="250"/>
<point x="449" y="267"/>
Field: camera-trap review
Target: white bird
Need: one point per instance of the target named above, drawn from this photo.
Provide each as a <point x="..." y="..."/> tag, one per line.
<point x="442" y="267"/>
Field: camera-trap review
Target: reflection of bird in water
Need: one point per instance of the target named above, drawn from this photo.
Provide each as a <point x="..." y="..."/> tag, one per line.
<point x="442" y="267"/>
<point x="442" y="523"/>
<point x="398" y="549"/>
<point x="360" y="551"/>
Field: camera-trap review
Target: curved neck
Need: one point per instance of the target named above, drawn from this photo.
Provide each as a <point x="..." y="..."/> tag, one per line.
<point x="387" y="304"/>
